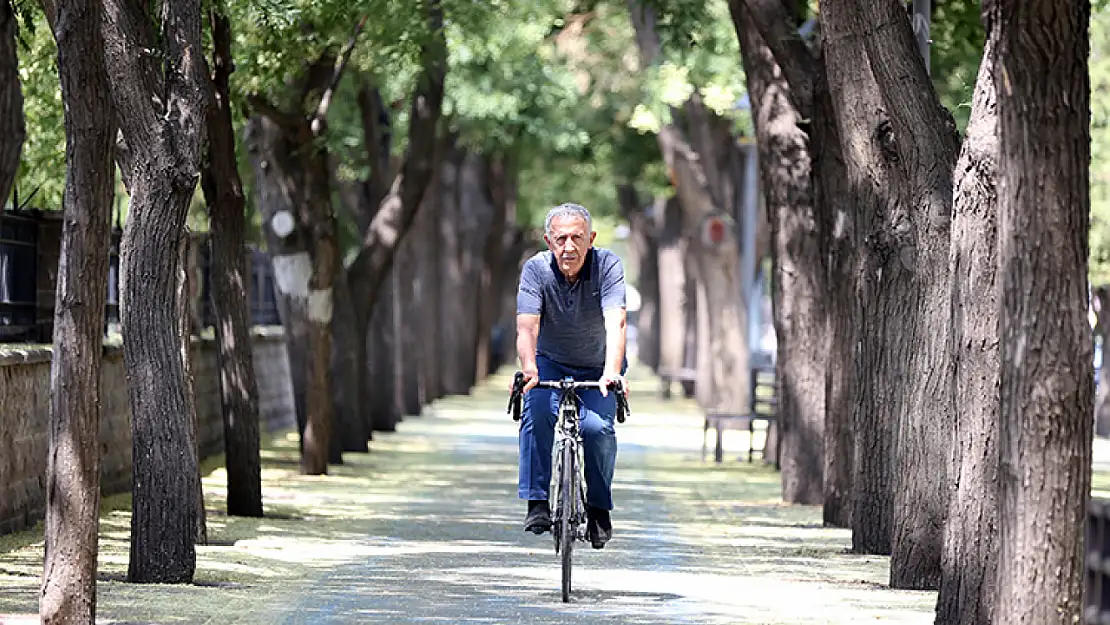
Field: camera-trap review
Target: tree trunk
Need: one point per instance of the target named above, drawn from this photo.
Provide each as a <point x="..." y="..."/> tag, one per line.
<point x="223" y="193"/>
<point x="797" y="266"/>
<point x="475" y="210"/>
<point x="411" y="333"/>
<point x="276" y="182"/>
<point x="836" y="206"/>
<point x="497" y="182"/>
<point x="73" y="471"/>
<point x="397" y="210"/>
<point x="920" y="146"/>
<point x="185" y="319"/>
<point x="451" y="274"/>
<point x="384" y="407"/>
<point x="427" y="233"/>
<point x="352" y="431"/>
<point x="672" y="290"/>
<point x="969" y="560"/>
<point x="882" y="285"/>
<point x="12" y="128"/>
<point x="1043" y="91"/>
<point x="165" y="163"/>
<point x="644" y="251"/>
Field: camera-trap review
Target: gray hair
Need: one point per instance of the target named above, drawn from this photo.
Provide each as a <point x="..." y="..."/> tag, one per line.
<point x="568" y="210"/>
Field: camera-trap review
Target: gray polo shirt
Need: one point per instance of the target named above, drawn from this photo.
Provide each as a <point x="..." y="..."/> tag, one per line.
<point x="572" y="327"/>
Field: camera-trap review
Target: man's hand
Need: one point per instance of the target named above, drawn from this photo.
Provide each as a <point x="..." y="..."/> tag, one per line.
<point x="531" y="377"/>
<point x="610" y="378"/>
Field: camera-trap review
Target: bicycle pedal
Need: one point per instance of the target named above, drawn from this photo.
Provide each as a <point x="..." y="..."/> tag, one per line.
<point x="538" y="529"/>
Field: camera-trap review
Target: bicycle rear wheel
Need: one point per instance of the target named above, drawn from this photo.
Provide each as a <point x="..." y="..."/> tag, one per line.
<point x="566" y="529"/>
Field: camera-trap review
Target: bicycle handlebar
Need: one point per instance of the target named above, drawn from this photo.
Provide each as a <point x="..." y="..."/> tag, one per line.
<point x="517" y="395"/>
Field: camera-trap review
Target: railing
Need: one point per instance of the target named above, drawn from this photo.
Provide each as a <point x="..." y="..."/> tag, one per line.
<point x="30" y="246"/>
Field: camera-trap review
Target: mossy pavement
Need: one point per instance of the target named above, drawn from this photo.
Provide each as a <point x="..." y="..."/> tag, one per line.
<point x="427" y="528"/>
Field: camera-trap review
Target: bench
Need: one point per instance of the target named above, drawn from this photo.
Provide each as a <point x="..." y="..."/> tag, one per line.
<point x="684" y="376"/>
<point x="762" y="406"/>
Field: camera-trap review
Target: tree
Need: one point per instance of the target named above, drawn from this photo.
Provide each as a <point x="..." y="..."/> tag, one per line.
<point x="797" y="263"/>
<point x="969" y="559"/>
<point x="160" y="102"/>
<point x="223" y="193"/>
<point x="73" y="466"/>
<point x="12" y="127"/>
<point x="724" y="318"/>
<point x="911" y="145"/>
<point x="1041" y="77"/>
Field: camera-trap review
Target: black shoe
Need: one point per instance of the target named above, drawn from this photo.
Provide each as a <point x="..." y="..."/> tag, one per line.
<point x="599" y="527"/>
<point x="538" y="520"/>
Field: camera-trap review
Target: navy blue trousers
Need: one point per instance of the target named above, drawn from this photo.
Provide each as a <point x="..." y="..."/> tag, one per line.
<point x="537" y="434"/>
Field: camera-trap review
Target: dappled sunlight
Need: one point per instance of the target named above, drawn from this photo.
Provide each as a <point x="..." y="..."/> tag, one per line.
<point x="427" y="526"/>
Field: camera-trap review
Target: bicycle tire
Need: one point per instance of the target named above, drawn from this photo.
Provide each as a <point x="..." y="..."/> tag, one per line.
<point x="566" y="529"/>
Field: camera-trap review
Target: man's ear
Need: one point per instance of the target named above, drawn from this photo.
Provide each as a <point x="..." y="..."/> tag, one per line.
<point x="593" y="235"/>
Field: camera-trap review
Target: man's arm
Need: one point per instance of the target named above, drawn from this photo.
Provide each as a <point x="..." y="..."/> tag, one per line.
<point x="616" y="332"/>
<point x="527" y="333"/>
<point x="616" y="322"/>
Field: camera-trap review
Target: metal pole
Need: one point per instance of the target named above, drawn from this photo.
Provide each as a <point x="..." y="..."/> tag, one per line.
<point x="922" y="22"/>
<point x="747" y="247"/>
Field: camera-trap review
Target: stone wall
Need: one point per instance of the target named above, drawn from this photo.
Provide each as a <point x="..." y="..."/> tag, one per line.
<point x="25" y="411"/>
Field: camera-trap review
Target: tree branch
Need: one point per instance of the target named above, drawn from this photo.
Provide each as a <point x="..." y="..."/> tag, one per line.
<point x="261" y="105"/>
<point x="340" y="64"/>
<point x="923" y="125"/>
<point x="773" y="22"/>
<point x="398" y="209"/>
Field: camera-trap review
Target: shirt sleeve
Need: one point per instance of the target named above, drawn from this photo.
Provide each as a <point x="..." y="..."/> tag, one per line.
<point x="529" y="296"/>
<point x="612" y="284"/>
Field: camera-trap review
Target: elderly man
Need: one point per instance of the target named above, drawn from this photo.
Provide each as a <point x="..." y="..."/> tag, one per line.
<point x="570" y="322"/>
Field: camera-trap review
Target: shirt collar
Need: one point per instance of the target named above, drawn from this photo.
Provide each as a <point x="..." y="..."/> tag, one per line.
<point x="583" y="275"/>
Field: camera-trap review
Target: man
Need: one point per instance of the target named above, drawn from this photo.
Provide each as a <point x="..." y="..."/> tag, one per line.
<point x="570" y="322"/>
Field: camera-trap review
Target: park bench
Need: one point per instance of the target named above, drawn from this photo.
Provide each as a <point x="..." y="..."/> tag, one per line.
<point x="762" y="406"/>
<point x="685" y="377"/>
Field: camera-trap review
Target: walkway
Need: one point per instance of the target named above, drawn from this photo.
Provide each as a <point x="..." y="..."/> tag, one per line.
<point x="426" y="528"/>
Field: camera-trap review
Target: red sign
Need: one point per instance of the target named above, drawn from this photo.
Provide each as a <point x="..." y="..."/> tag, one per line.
<point x="713" y="230"/>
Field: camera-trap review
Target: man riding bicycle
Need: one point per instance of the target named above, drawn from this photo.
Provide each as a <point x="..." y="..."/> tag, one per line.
<point x="571" y="321"/>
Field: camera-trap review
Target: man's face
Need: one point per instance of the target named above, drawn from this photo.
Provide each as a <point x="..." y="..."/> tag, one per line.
<point x="569" y="239"/>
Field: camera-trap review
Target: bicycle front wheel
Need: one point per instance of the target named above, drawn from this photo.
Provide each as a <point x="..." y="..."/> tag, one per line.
<point x="566" y="528"/>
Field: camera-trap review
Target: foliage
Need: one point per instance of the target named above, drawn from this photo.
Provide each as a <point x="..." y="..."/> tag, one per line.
<point x="957" y="47"/>
<point x="1100" y="147"/>
<point x="42" y="162"/>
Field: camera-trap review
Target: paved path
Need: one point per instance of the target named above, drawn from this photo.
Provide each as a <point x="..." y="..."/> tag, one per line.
<point x="426" y="529"/>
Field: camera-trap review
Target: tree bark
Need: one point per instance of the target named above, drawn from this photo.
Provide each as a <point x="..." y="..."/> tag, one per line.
<point x="165" y="163"/>
<point x="672" y="290"/>
<point x="489" y="272"/>
<point x="1043" y="91"/>
<point x="644" y="250"/>
<point x="836" y="204"/>
<point x="797" y="266"/>
<point x="427" y="238"/>
<point x="921" y="151"/>
<point x="223" y="193"/>
<point x="277" y="182"/>
<point x="881" y="281"/>
<point x="969" y="560"/>
<point x="73" y="471"/>
<point x="451" y="273"/>
<point x="12" y="127"/>
<point x="185" y="317"/>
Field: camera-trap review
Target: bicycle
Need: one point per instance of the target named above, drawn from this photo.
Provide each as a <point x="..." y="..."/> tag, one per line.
<point x="568" y="499"/>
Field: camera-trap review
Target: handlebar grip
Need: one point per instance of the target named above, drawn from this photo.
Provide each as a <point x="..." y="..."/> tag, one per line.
<point x="622" y="402"/>
<point x="517" y="395"/>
